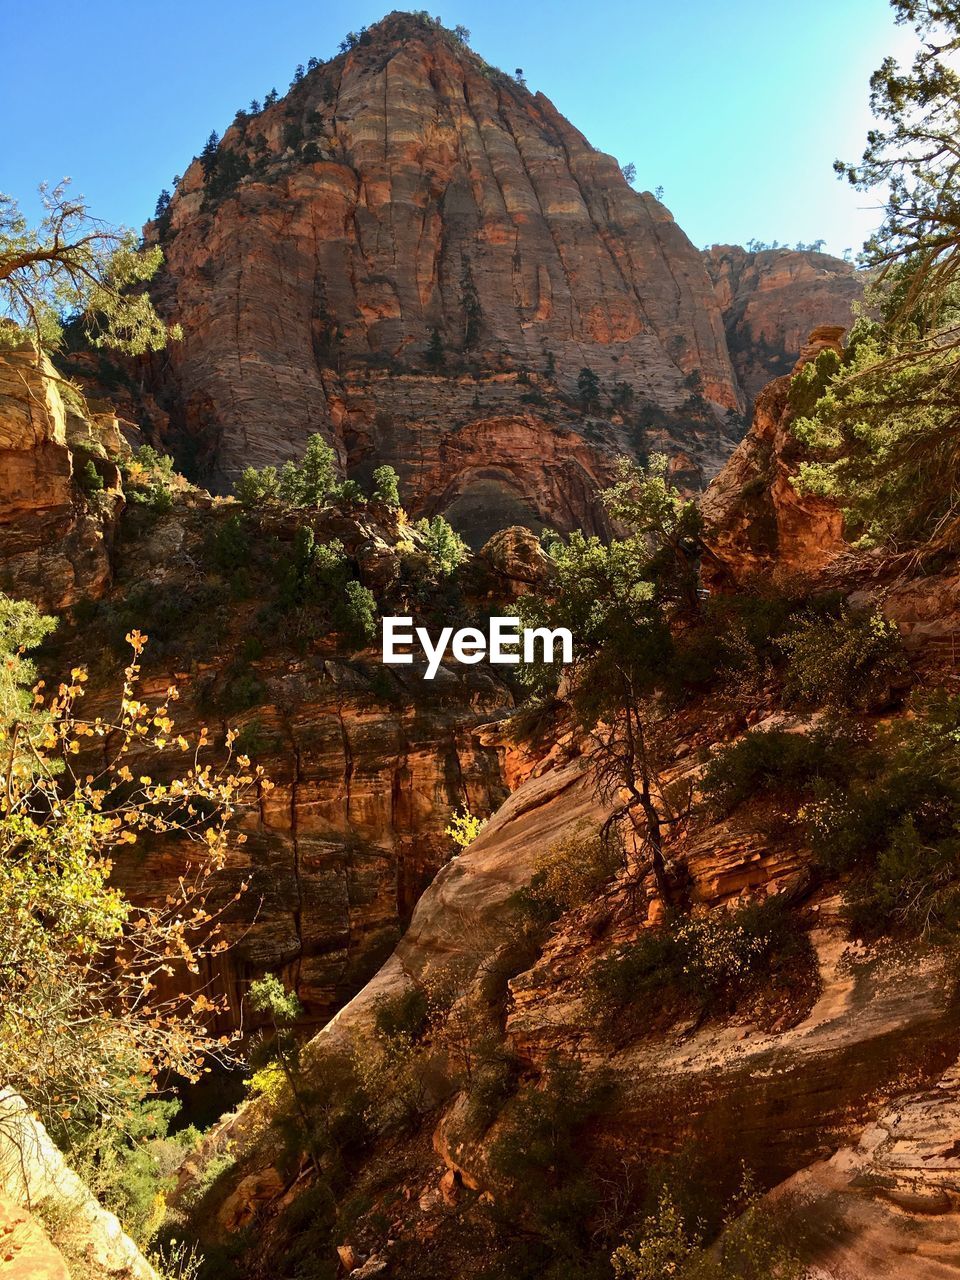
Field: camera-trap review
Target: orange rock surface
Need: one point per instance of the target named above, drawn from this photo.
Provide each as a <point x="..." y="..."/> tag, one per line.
<point x="407" y="187"/>
<point x="770" y="301"/>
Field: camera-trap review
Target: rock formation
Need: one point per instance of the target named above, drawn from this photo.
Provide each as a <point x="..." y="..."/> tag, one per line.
<point x="366" y="774"/>
<point x="771" y="299"/>
<point x="787" y="1096"/>
<point x="886" y="1206"/>
<point x="415" y="255"/>
<point x="34" y="1176"/>
<point x="406" y="190"/>
<point x="54" y="547"/>
<point x="407" y="194"/>
<point x="27" y="1251"/>
<point x="759" y="524"/>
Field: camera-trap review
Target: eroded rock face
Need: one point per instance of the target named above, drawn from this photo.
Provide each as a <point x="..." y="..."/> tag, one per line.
<point x="406" y="188"/>
<point x="759" y="524"/>
<point x="770" y="301"/>
<point x="885" y="1207"/>
<point x="366" y="774"/>
<point x="367" y="762"/>
<point x="368" y="765"/>
<point x="782" y="1095"/>
<point x="516" y="561"/>
<point x="34" y="1172"/>
<point x="54" y="546"/>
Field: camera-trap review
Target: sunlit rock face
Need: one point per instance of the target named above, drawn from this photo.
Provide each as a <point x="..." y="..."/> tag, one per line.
<point x="771" y="299"/>
<point x="54" y="547"/>
<point x="759" y="523"/>
<point x="406" y="189"/>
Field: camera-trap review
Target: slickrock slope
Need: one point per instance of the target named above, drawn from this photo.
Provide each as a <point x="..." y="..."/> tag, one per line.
<point x="778" y="1095"/>
<point x="886" y="1206"/>
<point x="404" y="188"/>
<point x="28" y="1253"/>
<point x="782" y="1093"/>
<point x="770" y="301"/>
<point x="35" y="1176"/>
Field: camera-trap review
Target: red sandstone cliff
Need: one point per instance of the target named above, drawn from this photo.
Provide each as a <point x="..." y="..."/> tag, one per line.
<point x="770" y="301"/>
<point x="407" y="187"/>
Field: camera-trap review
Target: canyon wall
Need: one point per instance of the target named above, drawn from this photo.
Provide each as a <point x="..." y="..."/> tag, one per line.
<point x="771" y="299"/>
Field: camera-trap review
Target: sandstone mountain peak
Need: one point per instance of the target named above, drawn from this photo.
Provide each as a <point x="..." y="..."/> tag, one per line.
<point x="417" y="256"/>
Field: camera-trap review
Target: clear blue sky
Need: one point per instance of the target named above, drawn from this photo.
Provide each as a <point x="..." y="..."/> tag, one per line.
<point x="737" y="110"/>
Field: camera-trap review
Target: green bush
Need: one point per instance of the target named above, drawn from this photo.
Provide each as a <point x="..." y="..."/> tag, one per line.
<point x="347" y="495"/>
<point x="892" y="830"/>
<point x="89" y="478"/>
<point x="256" y="489"/>
<point x="150" y="480"/>
<point x="756" y="1244"/>
<point x="569" y="873"/>
<point x="636" y="972"/>
<point x="854" y="661"/>
<point x="355" y="615"/>
<point x="242" y="691"/>
<point x="130" y="1165"/>
<point x="492" y="1082"/>
<point x="307" y="1224"/>
<point x="736" y="643"/>
<point x="386" y="486"/>
<point x="307" y="483"/>
<point x="705" y="961"/>
<point x="230" y="546"/>
<point x="405" y="1014"/>
<point x="775" y="762"/>
<point x="540" y="1148"/>
<point x="446" y="549"/>
<point x="317" y="575"/>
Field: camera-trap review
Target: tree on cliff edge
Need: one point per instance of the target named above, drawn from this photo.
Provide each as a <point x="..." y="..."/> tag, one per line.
<point x="881" y="419"/>
<point x="435" y="357"/>
<point x="74" y="265"/>
<point x="588" y="387"/>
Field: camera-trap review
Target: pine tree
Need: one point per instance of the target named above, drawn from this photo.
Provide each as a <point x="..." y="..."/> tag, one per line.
<point x="386" y="486"/>
<point x="318" y="470"/>
<point x="208" y="156"/>
<point x="435" y="357"/>
<point x="588" y="385"/>
<point x="74" y="264"/>
<point x="881" y="420"/>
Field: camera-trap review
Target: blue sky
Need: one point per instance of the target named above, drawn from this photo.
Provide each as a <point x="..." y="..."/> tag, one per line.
<point x="736" y="110"/>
